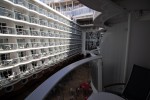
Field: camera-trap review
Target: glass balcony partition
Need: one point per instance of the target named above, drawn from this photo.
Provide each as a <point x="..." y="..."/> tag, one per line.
<point x="21" y="31"/>
<point x="36" y="56"/>
<point x="8" y="46"/>
<point x="9" y="62"/>
<point x="43" y="22"/>
<point x="25" y="58"/>
<point x="20" y="16"/>
<point x="9" y="77"/>
<point x="36" y="44"/>
<point x="34" y="20"/>
<point x="43" y="33"/>
<point x="5" y="12"/>
<point x="7" y="30"/>
<point x="35" y="33"/>
<point x="33" y="7"/>
<point x="23" y="45"/>
<point x="22" y="3"/>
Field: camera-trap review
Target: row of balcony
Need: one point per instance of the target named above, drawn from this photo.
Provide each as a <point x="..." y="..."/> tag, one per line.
<point x="14" y="46"/>
<point x="31" y="19"/>
<point x="9" y="76"/>
<point x="13" y="61"/>
<point x="21" y="31"/>
<point x="44" y="12"/>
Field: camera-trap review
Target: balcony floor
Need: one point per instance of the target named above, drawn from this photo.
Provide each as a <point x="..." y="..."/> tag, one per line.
<point x="70" y="83"/>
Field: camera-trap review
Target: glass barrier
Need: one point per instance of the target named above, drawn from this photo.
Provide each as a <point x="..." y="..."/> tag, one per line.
<point x="6" y="12"/>
<point x="7" y="46"/>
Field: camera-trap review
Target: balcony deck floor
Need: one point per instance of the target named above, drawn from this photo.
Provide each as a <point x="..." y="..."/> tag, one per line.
<point x="71" y="82"/>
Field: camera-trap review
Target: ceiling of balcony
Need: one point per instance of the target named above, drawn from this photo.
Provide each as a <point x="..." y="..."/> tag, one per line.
<point x="113" y="9"/>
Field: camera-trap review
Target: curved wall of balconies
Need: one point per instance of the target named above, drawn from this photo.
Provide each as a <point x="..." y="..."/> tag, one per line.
<point x="31" y="35"/>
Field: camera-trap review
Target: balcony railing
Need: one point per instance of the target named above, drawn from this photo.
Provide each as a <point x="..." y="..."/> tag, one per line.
<point x="22" y="31"/>
<point x="27" y="72"/>
<point x="42" y="11"/>
<point x="44" y="44"/>
<point x="43" y="33"/>
<point x="34" y="20"/>
<point x="7" y="30"/>
<point x="43" y="22"/>
<point x="11" y="78"/>
<point x="52" y="81"/>
<point x="36" y="56"/>
<point x="36" y="44"/>
<point x="23" y="45"/>
<point x="35" y="33"/>
<point x="20" y="16"/>
<point x="44" y="53"/>
<point x="21" y="2"/>
<point x="9" y="62"/>
<point x="6" y="12"/>
<point x="33" y="7"/>
<point x="25" y="58"/>
<point x="7" y="46"/>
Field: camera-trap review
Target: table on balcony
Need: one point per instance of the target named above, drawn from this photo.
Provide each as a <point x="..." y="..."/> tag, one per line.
<point x="104" y="96"/>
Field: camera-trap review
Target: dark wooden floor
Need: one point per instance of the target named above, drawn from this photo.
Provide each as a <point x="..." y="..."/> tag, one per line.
<point x="71" y="83"/>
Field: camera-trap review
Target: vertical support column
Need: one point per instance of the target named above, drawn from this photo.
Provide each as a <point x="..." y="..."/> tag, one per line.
<point x="99" y="64"/>
<point x="66" y="5"/>
<point x="83" y="42"/>
<point x="72" y="5"/>
<point x="127" y="45"/>
<point x="59" y="7"/>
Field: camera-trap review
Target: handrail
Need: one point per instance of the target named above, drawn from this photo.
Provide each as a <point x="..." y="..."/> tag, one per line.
<point x="42" y="91"/>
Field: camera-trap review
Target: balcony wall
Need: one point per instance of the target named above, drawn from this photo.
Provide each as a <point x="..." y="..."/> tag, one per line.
<point x="125" y="40"/>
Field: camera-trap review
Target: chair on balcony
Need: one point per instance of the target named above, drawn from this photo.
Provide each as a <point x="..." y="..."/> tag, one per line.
<point x="138" y="86"/>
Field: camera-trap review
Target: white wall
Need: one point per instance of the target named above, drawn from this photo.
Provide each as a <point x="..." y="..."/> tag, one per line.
<point x="139" y="47"/>
<point x="114" y="45"/>
<point x="113" y="53"/>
